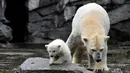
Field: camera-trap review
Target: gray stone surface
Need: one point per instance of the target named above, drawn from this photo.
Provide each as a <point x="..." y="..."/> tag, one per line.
<point x="32" y="27"/>
<point x="34" y="16"/>
<point x="69" y="12"/>
<point x="33" y="4"/>
<point x="37" y="37"/>
<point x="123" y="29"/>
<point x="120" y="14"/>
<point x="52" y="15"/>
<point x="118" y="1"/>
<point x="47" y="10"/>
<point x="5" y="33"/>
<point x="62" y="33"/>
<point x="103" y="2"/>
<point x="47" y="2"/>
<point x="59" y="20"/>
<point x="41" y="65"/>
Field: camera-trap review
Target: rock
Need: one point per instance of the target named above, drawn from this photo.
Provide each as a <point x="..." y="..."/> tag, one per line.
<point x="117" y="70"/>
<point x="103" y="2"/>
<point x="82" y="2"/>
<point x="38" y="34"/>
<point x="49" y="17"/>
<point x="47" y="10"/>
<point x="47" y="30"/>
<point x="41" y="65"/>
<point x="61" y="33"/>
<point x="36" y="40"/>
<point x="119" y="35"/>
<point x="1" y="10"/>
<point x="73" y="0"/>
<point x="38" y="37"/>
<point x="121" y="31"/>
<point x="41" y="26"/>
<point x="33" y="4"/>
<point x="118" y="1"/>
<point x="59" y="20"/>
<point x="127" y="2"/>
<point x="5" y="36"/>
<point x="69" y="12"/>
<point x="5" y="33"/>
<point x="120" y="14"/>
<point x="47" y="2"/>
<point x="61" y="5"/>
<point x="34" y="16"/>
<point x="124" y="27"/>
<point x="34" y="27"/>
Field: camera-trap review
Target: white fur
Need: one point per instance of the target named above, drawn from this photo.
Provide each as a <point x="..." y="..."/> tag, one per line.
<point x="63" y="52"/>
<point x="85" y="11"/>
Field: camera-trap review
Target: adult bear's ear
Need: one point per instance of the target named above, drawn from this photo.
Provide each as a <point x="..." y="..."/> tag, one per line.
<point x="46" y="46"/>
<point x="106" y="38"/>
<point x="85" y="39"/>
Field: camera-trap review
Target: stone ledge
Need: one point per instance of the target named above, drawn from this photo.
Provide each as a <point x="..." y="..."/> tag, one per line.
<point x="41" y="65"/>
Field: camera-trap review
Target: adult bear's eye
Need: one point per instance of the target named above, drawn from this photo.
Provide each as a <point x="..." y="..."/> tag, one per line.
<point x="93" y="50"/>
<point x="101" y="49"/>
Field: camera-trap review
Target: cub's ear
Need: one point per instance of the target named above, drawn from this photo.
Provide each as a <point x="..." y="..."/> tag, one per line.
<point x="46" y="46"/>
<point x="59" y="46"/>
<point x="106" y="38"/>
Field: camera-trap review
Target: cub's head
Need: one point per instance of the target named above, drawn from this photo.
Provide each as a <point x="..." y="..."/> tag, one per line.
<point x="53" y="48"/>
<point x="96" y="46"/>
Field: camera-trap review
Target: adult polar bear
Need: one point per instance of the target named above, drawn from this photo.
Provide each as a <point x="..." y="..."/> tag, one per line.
<point x="91" y="23"/>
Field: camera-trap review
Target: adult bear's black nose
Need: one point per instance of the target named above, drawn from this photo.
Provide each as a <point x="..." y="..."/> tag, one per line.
<point x="98" y="60"/>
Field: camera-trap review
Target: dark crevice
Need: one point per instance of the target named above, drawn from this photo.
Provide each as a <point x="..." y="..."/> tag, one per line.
<point x="16" y="12"/>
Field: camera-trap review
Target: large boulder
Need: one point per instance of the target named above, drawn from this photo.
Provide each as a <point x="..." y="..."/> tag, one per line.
<point x="5" y="33"/>
<point x="43" y="11"/>
<point x="121" y="31"/>
<point x="34" y="16"/>
<point x="118" y="1"/>
<point x="41" y="65"/>
<point x="33" y="4"/>
<point x="69" y="12"/>
<point x="120" y="14"/>
<point x="5" y="36"/>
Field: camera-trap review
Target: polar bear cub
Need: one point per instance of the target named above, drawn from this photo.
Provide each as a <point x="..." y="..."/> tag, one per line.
<point x="91" y="23"/>
<point x="59" y="52"/>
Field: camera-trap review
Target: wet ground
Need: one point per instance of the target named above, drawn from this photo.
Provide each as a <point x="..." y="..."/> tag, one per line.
<point x="10" y="58"/>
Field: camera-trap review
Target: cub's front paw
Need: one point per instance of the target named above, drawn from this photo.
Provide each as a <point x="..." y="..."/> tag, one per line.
<point x="51" y="62"/>
<point x="58" y="62"/>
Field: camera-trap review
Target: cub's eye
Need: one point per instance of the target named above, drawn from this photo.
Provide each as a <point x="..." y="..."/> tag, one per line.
<point x="53" y="51"/>
<point x="101" y="49"/>
<point x="93" y="50"/>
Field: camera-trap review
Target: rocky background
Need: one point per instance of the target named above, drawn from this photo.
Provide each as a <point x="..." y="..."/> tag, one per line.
<point x="51" y="19"/>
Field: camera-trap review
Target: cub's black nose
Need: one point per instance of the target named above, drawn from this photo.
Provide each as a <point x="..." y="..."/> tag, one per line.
<point x="51" y="55"/>
<point x="98" y="60"/>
